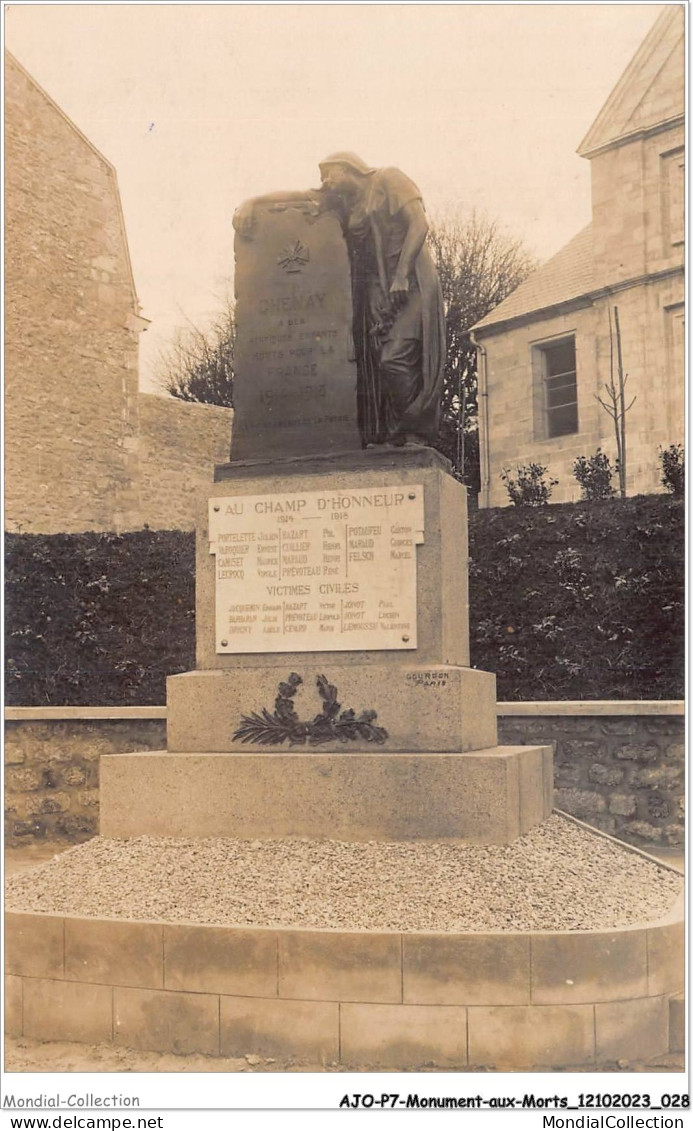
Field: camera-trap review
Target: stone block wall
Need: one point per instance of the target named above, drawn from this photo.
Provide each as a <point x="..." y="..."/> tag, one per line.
<point x="84" y="450"/>
<point x="622" y="774"/>
<point x="177" y="446"/>
<point x="71" y="325"/>
<point x="52" y="773"/>
<point x="636" y="152"/>
<point x="636" y="215"/>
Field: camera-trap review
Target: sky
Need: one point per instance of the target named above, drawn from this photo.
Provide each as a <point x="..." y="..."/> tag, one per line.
<point x="200" y="106"/>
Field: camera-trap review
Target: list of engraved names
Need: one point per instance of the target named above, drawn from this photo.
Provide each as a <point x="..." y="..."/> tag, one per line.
<point x="317" y="571"/>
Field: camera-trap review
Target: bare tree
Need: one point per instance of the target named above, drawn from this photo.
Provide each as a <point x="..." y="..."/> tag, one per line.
<point x="479" y="265"/>
<point x="615" y="403"/>
<point x="199" y="366"/>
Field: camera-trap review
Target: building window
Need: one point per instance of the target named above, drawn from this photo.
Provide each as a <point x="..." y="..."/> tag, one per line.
<point x="673" y="198"/>
<point x="676" y="341"/>
<point x="673" y="393"/>
<point x="559" y="387"/>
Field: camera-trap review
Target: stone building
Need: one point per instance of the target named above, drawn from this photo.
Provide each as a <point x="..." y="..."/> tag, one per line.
<point x="84" y="450"/>
<point x="544" y="353"/>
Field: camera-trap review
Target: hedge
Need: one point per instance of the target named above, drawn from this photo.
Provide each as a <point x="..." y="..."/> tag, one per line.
<point x="571" y="601"/>
<point x="97" y="618"/>
<point x="580" y="600"/>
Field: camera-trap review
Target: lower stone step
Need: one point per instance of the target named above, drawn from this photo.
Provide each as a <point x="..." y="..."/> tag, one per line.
<point x="380" y="999"/>
<point x="489" y="796"/>
<point x="677" y="1023"/>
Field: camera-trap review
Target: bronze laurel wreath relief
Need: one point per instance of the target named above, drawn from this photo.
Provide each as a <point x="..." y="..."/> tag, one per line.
<point x="284" y="724"/>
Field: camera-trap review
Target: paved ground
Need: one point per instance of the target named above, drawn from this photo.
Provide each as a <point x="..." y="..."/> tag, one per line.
<point x="29" y="855"/>
<point x="24" y="1055"/>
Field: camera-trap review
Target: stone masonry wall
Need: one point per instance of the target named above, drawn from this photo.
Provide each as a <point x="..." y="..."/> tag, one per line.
<point x="622" y="774"/>
<point x="52" y="773"/>
<point x="83" y="449"/>
<point x="71" y="325"/>
<point x="177" y="446"/>
<point x="636" y="216"/>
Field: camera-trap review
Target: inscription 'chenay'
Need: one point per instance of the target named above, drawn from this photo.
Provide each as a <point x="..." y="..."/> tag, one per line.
<point x="317" y="571"/>
<point x="287" y="304"/>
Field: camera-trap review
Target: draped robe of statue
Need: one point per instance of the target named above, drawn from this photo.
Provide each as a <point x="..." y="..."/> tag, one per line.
<point x="399" y="356"/>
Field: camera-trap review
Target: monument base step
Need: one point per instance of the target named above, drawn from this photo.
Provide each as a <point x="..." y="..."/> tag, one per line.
<point x="422" y="708"/>
<point x="489" y="796"/>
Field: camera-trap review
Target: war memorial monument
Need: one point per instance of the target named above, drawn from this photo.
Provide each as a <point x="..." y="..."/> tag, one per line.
<point x="333" y="701"/>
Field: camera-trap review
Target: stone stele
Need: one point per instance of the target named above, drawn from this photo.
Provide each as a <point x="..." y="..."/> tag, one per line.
<point x="295" y="392"/>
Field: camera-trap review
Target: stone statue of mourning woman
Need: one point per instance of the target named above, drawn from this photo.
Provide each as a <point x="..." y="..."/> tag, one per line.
<point x="398" y="315"/>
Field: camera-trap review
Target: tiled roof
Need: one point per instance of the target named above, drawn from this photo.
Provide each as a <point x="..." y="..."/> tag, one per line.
<point x="567" y="275"/>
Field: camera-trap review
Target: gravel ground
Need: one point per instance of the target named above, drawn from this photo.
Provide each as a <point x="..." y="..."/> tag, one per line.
<point x="559" y="876"/>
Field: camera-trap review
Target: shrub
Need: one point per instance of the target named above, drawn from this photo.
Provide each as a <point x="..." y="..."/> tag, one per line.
<point x="673" y="464"/>
<point x="594" y="474"/>
<point x="530" y="488"/>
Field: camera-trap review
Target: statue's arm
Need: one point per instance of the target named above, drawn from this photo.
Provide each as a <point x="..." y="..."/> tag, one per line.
<point x="417" y="228"/>
<point x="244" y="216"/>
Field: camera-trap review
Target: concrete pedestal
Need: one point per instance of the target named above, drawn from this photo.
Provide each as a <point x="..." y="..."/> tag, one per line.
<point x="422" y="709"/>
<point x="485" y="797"/>
<point x="441" y="560"/>
<point x="438" y="773"/>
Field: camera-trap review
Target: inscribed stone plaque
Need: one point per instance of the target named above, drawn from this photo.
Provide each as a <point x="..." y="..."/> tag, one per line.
<point x="295" y="377"/>
<point x="317" y="571"/>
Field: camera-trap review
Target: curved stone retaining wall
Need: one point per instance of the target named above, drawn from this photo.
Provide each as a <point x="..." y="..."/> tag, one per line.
<point x="365" y="999"/>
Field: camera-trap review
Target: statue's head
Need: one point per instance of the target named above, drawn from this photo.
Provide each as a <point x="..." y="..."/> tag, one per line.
<point x="342" y="169"/>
